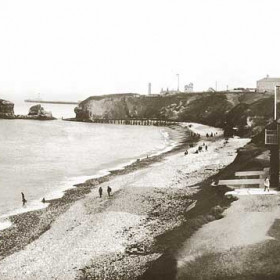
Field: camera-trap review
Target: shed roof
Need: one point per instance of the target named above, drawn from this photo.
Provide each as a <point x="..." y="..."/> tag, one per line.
<point x="268" y="79"/>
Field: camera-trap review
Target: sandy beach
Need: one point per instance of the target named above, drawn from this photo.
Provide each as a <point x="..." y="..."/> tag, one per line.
<point x="242" y="245"/>
<point x="87" y="237"/>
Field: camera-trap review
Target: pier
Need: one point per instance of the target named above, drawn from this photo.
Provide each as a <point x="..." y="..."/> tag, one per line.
<point x="145" y="122"/>
<point x="50" y="102"/>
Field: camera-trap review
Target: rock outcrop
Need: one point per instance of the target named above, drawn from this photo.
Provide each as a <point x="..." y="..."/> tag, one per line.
<point x="6" y="109"/>
<point x="247" y="112"/>
<point x="36" y="112"/>
<point x="39" y="112"/>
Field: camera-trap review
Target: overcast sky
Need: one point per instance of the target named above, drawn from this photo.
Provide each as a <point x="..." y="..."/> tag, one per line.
<point x="70" y="49"/>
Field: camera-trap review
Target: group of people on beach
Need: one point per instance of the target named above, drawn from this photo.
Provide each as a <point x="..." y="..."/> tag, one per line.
<point x="100" y="190"/>
<point x="109" y="191"/>
<point x="195" y="135"/>
<point x="199" y="149"/>
<point x="211" y="134"/>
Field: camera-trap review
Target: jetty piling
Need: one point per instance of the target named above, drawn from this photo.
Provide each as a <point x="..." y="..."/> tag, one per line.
<point x="144" y="122"/>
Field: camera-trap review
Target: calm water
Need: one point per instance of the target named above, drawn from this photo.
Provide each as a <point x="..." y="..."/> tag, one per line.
<point x="58" y="110"/>
<point x="42" y="159"/>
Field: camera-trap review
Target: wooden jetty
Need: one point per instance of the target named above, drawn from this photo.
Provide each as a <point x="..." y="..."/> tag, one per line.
<point x="155" y="122"/>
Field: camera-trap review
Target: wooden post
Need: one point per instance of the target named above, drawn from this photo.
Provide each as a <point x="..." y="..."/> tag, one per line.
<point x="274" y="166"/>
<point x="272" y="140"/>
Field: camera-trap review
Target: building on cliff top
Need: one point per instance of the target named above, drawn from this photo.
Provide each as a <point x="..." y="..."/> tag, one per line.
<point x="189" y="88"/>
<point x="267" y="84"/>
<point x="168" y="92"/>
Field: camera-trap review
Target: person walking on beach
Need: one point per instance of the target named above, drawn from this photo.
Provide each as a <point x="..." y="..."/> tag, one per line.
<point x="23" y="199"/>
<point x="100" y="192"/>
<point x="109" y="190"/>
<point x="266" y="184"/>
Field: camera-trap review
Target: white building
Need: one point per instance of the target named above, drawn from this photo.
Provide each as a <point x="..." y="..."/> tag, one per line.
<point x="189" y="88"/>
<point x="267" y="84"/>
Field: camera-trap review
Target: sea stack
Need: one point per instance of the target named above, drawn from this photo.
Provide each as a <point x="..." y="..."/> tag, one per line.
<point x="6" y="109"/>
<point x="39" y="112"/>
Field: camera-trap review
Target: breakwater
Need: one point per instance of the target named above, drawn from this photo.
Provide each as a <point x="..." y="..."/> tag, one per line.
<point x="50" y="102"/>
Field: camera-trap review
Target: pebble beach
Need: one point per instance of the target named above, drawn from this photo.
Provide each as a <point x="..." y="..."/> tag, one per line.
<point x="82" y="236"/>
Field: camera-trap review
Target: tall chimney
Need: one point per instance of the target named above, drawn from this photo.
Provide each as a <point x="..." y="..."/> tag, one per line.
<point x="149" y="88"/>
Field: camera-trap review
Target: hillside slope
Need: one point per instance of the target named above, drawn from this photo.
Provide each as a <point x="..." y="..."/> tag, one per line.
<point x="249" y="112"/>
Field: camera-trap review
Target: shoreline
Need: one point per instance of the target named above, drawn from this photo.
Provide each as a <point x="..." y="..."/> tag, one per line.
<point x="27" y="117"/>
<point x="70" y="196"/>
<point x="127" y="226"/>
<point x="175" y="135"/>
<point x="212" y="203"/>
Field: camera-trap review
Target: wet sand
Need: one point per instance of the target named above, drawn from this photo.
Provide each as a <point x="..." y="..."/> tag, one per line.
<point x="83" y="236"/>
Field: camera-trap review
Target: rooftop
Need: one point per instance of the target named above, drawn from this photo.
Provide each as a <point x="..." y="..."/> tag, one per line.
<point x="269" y="79"/>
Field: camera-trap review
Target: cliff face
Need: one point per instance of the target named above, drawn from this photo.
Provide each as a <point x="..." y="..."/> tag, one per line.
<point x="120" y="107"/>
<point x="249" y="112"/>
<point x="6" y="109"/>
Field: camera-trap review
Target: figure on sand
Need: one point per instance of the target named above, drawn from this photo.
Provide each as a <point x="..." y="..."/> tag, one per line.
<point x="266" y="184"/>
<point x="109" y="190"/>
<point x="100" y="192"/>
<point x="23" y="199"/>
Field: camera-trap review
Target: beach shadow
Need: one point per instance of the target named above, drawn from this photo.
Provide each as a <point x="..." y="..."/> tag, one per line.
<point x="274" y="230"/>
<point x="164" y="268"/>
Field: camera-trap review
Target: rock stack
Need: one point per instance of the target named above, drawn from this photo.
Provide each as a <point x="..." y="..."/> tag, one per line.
<point x="39" y="112"/>
<point x="6" y="109"/>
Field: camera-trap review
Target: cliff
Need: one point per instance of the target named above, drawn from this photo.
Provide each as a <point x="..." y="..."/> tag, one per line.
<point x="248" y="112"/>
<point x="6" y="109"/>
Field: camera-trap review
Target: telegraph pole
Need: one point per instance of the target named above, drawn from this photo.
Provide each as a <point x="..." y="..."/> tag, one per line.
<point x="275" y="102"/>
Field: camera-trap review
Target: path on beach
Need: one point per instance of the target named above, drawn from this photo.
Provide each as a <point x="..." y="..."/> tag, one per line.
<point x="98" y="231"/>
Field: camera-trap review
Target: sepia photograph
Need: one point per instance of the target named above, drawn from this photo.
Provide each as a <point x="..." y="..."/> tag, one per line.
<point x="139" y="140"/>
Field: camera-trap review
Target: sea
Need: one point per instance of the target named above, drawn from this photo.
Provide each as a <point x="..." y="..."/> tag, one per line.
<point x="42" y="159"/>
